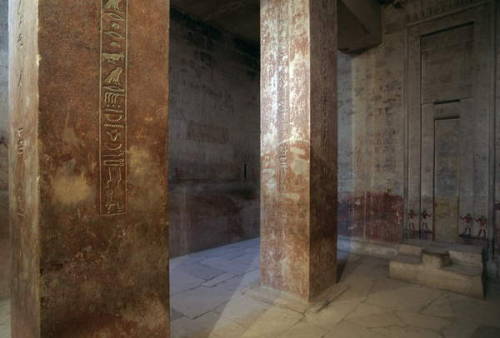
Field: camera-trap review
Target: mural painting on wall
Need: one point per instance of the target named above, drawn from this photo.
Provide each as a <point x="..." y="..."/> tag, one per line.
<point x="473" y="228"/>
<point x="468" y="234"/>
<point x="373" y="216"/>
<point x="418" y="227"/>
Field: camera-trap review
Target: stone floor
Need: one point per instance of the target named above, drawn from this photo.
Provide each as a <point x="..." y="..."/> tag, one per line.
<point x="215" y="294"/>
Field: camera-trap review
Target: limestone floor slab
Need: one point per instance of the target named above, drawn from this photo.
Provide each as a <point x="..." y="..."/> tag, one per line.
<point x="369" y="304"/>
<point x="196" y="302"/>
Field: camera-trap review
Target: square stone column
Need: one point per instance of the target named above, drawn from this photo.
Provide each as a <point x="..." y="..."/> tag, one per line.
<point x="89" y="97"/>
<point x="299" y="145"/>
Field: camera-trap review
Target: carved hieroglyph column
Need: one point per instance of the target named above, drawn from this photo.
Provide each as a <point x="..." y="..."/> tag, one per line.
<point x="89" y="95"/>
<point x="299" y="146"/>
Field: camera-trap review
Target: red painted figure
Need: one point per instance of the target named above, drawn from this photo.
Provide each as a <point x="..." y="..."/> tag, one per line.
<point x="483" y="223"/>
<point x="468" y="222"/>
<point x="411" y="224"/>
<point x="425" y="227"/>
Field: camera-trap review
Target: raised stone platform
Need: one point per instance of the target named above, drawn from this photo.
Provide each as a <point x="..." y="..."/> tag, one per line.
<point x="453" y="267"/>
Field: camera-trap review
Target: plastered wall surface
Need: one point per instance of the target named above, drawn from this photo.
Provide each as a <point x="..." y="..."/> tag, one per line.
<point x="214" y="137"/>
<point x="371" y="137"/>
<point x="372" y="126"/>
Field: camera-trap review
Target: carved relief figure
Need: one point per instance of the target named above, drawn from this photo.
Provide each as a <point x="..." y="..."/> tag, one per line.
<point x="468" y="223"/>
<point x="411" y="223"/>
<point x="111" y="99"/>
<point x="113" y="58"/>
<point x="424" y="225"/>
<point x="113" y="4"/>
<point x="483" y="223"/>
<point x="113" y="134"/>
<point x="114" y="77"/>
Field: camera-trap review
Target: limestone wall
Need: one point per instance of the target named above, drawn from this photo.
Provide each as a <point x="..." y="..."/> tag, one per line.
<point x="214" y="137"/>
<point x="4" y="225"/>
<point x="497" y="131"/>
<point x="372" y="136"/>
<point x="372" y="126"/>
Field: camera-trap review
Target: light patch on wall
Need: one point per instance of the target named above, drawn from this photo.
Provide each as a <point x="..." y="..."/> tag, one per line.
<point x="71" y="189"/>
<point x="69" y="136"/>
<point x="145" y="173"/>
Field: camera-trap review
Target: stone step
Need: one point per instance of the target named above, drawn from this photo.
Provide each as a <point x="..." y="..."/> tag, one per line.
<point x="456" y="268"/>
<point x="459" y="253"/>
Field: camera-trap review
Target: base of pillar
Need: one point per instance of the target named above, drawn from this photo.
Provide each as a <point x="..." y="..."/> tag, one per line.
<point x="281" y="298"/>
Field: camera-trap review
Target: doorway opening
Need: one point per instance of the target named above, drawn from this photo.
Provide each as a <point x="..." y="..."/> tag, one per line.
<point x="214" y="159"/>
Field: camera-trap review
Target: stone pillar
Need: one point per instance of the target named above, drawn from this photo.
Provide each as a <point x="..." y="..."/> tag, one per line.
<point x="88" y="93"/>
<point x="299" y="146"/>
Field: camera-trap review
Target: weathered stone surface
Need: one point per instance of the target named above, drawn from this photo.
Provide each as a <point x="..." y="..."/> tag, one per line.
<point x="88" y="162"/>
<point x="298" y="146"/>
<point x="214" y="140"/>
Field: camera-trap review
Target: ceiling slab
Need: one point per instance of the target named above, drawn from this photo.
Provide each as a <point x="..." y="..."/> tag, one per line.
<point x="240" y="17"/>
<point x="358" y="29"/>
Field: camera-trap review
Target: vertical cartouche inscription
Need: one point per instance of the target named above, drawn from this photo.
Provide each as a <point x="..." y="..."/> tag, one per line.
<point x="113" y="108"/>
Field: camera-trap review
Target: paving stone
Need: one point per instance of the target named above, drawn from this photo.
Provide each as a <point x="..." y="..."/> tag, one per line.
<point x="181" y="281"/>
<point x="357" y="288"/>
<point x="174" y="314"/>
<point x="460" y="328"/>
<point x="243" y="281"/>
<point x="411" y="298"/>
<point x="218" y="280"/>
<point x="273" y="322"/>
<point x="200" y="271"/>
<point x="194" y="303"/>
<point x="304" y="329"/>
<point x="441" y="307"/>
<point x="364" y="310"/>
<point x="385" y="319"/>
<point x="348" y="329"/>
<point x="423" y="321"/>
<point x="243" y="310"/>
<point x="404" y="332"/>
<point x="486" y="332"/>
<point x="477" y="310"/>
<point x="226" y="265"/>
<point x="209" y="325"/>
<point x="333" y="314"/>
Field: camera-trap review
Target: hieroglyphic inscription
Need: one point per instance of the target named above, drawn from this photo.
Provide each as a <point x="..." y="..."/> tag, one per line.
<point x="283" y="97"/>
<point x="429" y="8"/>
<point x="20" y="173"/>
<point x="113" y="108"/>
<point x="283" y="151"/>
